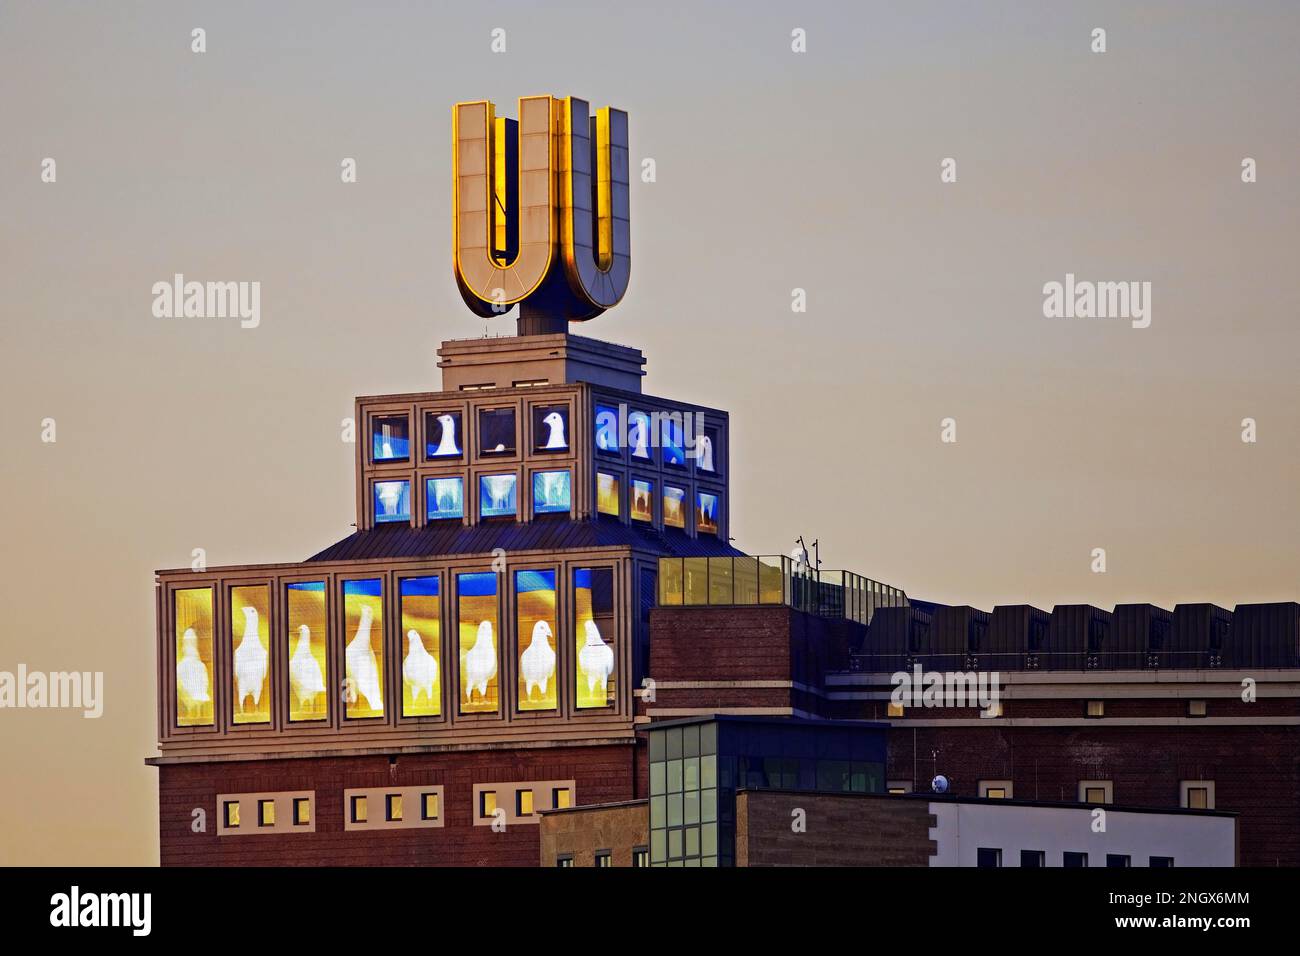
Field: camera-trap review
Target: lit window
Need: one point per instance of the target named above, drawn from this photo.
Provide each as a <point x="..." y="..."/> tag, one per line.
<point x="442" y="435"/>
<point x="1096" y="708"/>
<point x="604" y="859"/>
<point x="193" y="612"/>
<point x="391" y="438"/>
<point x="392" y="501"/>
<point x="1196" y="708"/>
<point x="996" y="793"/>
<point x="607" y="430"/>
<point x="899" y="786"/>
<point x="550" y="428"/>
<point x="429" y="806"/>
<point x="706" y="513"/>
<point x="564" y="862"/>
<point x="307" y="662"/>
<point x="444" y="498"/>
<point x="1197" y="794"/>
<point x="895" y="709"/>
<point x="496" y="431"/>
<point x="672" y="439"/>
<point x="638" y="434"/>
<point x="231" y="810"/>
<point x="1072" y="859"/>
<point x="524" y="803"/>
<point x="995" y="789"/>
<point x="487" y="803"/>
<point x="988" y="857"/>
<point x="266" y="813"/>
<point x="301" y="812"/>
<point x="641" y="856"/>
<point x="674" y="507"/>
<point x="552" y="492"/>
<point x="641" y="503"/>
<point x="1096" y="791"/>
<point x="363" y="618"/>
<point x="358" y="809"/>
<point x="607" y="494"/>
<point x="497" y="496"/>
<point x="561" y="799"/>
<point x="393" y="808"/>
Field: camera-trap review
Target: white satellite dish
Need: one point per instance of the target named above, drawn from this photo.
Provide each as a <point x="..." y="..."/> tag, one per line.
<point x="939" y="784"/>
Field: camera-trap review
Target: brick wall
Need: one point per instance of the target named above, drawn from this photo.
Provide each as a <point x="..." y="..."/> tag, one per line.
<point x="841" y="830"/>
<point x="602" y="774"/>
<point x="581" y="832"/>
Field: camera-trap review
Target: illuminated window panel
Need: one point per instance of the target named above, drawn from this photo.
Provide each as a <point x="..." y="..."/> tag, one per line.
<point x="478" y="626"/>
<point x="524" y="803"/>
<point x="593" y="597"/>
<point x="443" y="436"/>
<point x="607" y="494"/>
<point x="706" y="448"/>
<point x="535" y="626"/>
<point x="496" y="431"/>
<point x="231" y="811"/>
<point x="706" y="513"/>
<point x="301" y="812"/>
<point x="561" y="798"/>
<point x="421" y="647"/>
<point x="674" y="507"/>
<point x="392" y="501"/>
<point x="550" y="428"/>
<point x="390" y="438"/>
<point x="429" y="806"/>
<point x="266" y="813"/>
<point x="641" y="500"/>
<point x="608" y="437"/>
<point x="308" y="666"/>
<point x="444" y="498"/>
<point x="552" y="492"/>
<point x="393" y="807"/>
<point x="360" y="811"/>
<point x="250" y="636"/>
<point x="497" y="496"/>
<point x="672" y="439"/>
<point x="487" y="803"/>
<point x="638" y="434"/>
<point x="363" y="652"/>
<point x="193" y="614"/>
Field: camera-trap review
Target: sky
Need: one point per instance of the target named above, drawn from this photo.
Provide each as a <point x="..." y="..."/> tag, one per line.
<point x="776" y="170"/>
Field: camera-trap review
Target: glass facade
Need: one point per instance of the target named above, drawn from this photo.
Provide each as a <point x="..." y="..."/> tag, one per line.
<point x="535" y="627"/>
<point x="476" y="596"/>
<point x="696" y="769"/>
<point x="308" y="666"/>
<point x="363" y="654"/>
<point x="193" y="613"/>
<point x="593" y="615"/>
<point x="250" y="639"/>
<point x="421" y="646"/>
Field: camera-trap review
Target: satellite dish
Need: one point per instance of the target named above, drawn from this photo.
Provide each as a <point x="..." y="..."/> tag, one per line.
<point x="939" y="784"/>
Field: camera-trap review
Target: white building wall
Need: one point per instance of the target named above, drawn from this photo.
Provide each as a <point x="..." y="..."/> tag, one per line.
<point x="1191" y="839"/>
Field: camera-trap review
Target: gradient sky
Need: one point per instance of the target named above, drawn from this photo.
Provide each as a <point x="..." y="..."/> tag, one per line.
<point x="775" y="171"/>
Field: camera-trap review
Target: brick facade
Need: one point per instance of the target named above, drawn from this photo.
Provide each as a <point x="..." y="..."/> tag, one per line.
<point x="840" y="830"/>
<point x="581" y="832"/>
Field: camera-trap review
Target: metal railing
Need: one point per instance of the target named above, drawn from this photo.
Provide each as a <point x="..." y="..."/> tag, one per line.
<point x="773" y="580"/>
<point x="870" y="662"/>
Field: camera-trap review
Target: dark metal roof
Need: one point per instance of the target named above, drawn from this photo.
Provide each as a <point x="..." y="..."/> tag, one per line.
<point x="402" y="541"/>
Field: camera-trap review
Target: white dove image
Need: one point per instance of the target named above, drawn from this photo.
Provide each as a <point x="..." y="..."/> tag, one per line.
<point x="390" y="493"/>
<point x="705" y="453"/>
<point x="250" y="662"/>
<point x="596" y="658"/>
<point x="499" y="489"/>
<point x="537" y="663"/>
<point x="639" y="438"/>
<point x="419" y="670"/>
<point x="552" y="486"/>
<point x="304" y="670"/>
<point x="362" y="668"/>
<point x="447" y="446"/>
<point x="191" y="675"/>
<point x="556" y="439"/>
<point x="480" y="662"/>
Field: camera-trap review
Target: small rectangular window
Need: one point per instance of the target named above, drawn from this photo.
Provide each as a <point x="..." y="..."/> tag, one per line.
<point x="1198" y="798"/>
<point x="1033" y="858"/>
<point x="561" y="798"/>
<point x="429" y="806"/>
<point x="996" y="793"/>
<point x="301" y="812"/>
<point x="1094" y="795"/>
<point x="1096" y="708"/>
<point x="231" y="812"/>
<point x="1070" y="859"/>
<point x="358" y="809"/>
<point x="895" y="710"/>
<point x="1196" y="708"/>
<point x="1159" y="861"/>
<point x="266" y="813"/>
<point x="487" y="803"/>
<point x="564" y="862"/>
<point x="1117" y="859"/>
<point x="393" y="807"/>
<point x="641" y="856"/>
<point x="988" y="858"/>
<point x="604" y="858"/>
<point x="524" y="803"/>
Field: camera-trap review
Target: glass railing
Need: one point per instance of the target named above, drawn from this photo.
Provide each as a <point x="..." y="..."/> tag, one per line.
<point x="772" y="579"/>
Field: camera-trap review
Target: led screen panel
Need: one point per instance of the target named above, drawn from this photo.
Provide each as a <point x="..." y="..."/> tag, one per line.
<point x="535" y="626"/>
<point x="443" y="437"/>
<point x="706" y="513"/>
<point x="392" y="501"/>
<point x="497" y="496"/>
<point x="496" y="431"/>
<point x="308" y="665"/>
<point x="444" y="498"/>
<point x="550" y="428"/>
<point x="607" y="430"/>
<point x="193" y="613"/>
<point x="674" y="507"/>
<point x="250" y="639"/>
<point x="638" y="434"/>
<point x="421" y="647"/>
<point x="672" y="439"/>
<point x="552" y="492"/>
<point x="641" y="500"/>
<point x="706" y="446"/>
<point x="390" y="438"/>
<point x="478" y="626"/>
<point x="607" y="494"/>
<point x="363" y="654"/>
<point x="593" y="613"/>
